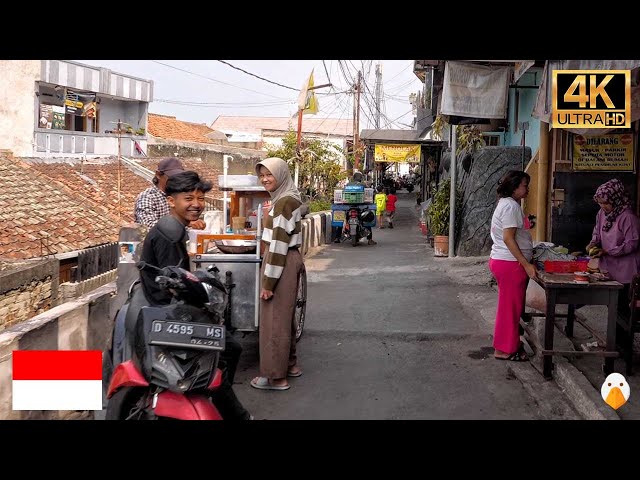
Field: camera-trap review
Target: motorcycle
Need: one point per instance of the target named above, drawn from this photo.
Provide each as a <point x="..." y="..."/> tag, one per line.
<point x="167" y="367"/>
<point x="354" y="226"/>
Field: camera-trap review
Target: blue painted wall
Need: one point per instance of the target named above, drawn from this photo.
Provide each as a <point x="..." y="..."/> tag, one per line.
<point x="527" y="100"/>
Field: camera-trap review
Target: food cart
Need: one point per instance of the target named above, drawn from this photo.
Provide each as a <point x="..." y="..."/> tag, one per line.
<point x="235" y="256"/>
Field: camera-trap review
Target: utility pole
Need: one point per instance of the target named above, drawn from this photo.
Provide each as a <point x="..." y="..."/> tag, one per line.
<point x="356" y="124"/>
<point x="119" y="169"/>
<point x="378" y="93"/>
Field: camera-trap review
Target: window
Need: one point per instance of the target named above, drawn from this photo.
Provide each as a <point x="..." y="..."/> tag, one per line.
<point x="491" y="140"/>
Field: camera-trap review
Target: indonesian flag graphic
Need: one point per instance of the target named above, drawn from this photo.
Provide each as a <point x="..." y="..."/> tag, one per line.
<point x="57" y="380"/>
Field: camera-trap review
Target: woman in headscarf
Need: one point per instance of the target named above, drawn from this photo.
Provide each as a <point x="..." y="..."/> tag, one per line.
<point x="617" y="234"/>
<point x="281" y="267"/>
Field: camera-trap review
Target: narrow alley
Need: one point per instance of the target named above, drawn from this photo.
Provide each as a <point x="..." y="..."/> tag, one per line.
<point x="389" y="335"/>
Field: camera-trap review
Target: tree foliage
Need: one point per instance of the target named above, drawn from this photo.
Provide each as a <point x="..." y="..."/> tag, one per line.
<point x="319" y="161"/>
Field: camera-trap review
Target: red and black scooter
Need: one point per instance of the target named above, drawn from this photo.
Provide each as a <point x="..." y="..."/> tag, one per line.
<point x="168" y="364"/>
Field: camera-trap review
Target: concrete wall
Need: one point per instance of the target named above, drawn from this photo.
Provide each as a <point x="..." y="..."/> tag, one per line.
<point x="83" y="324"/>
<point x="132" y="113"/>
<point x="17" y="105"/>
<point x="71" y="290"/>
<point x="27" y="290"/>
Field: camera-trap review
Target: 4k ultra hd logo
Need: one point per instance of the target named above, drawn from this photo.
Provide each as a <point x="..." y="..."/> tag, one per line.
<point x="591" y="99"/>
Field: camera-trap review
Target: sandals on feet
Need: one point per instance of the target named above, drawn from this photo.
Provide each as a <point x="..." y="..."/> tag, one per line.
<point x="263" y="383"/>
<point x="518" y="356"/>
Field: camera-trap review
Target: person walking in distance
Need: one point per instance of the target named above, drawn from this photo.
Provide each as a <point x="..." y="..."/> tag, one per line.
<point x="381" y="205"/>
<point x="391" y="206"/>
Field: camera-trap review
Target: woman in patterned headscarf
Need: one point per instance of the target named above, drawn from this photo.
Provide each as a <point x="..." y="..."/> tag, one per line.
<point x="617" y="234"/>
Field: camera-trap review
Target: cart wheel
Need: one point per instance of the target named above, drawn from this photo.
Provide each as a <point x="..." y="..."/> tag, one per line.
<point x="301" y="304"/>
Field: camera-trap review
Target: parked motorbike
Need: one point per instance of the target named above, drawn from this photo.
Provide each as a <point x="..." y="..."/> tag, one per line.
<point x="168" y="364"/>
<point x="354" y="228"/>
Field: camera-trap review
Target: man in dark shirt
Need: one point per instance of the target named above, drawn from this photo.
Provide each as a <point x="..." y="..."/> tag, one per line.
<point x="165" y="245"/>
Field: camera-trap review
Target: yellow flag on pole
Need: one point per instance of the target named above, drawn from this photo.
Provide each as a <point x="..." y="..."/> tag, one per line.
<point x="307" y="100"/>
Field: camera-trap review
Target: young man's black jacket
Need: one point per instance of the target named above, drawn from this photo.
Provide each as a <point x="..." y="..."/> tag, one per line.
<point x="164" y="246"/>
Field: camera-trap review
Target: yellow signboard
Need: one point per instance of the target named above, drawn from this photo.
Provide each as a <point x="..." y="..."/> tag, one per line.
<point x="397" y="152"/>
<point x="609" y="153"/>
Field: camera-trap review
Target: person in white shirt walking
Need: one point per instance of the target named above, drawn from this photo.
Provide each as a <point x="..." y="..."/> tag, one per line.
<point x="510" y="263"/>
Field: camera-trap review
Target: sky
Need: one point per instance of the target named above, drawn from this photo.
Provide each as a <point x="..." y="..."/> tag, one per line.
<point x="201" y="90"/>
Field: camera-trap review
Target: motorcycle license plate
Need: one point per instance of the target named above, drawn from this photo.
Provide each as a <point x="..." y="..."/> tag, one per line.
<point x="202" y="336"/>
<point x="353" y="221"/>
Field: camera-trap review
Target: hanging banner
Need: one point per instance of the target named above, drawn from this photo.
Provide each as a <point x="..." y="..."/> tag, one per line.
<point x="475" y="90"/>
<point x="608" y="153"/>
<point x="58" y="117"/>
<point x="72" y="103"/>
<point x="401" y="153"/>
<point x="46" y="116"/>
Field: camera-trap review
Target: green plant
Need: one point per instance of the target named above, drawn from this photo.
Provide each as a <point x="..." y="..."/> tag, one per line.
<point x="140" y="131"/>
<point x="439" y="208"/>
<point x="319" y="205"/>
<point x="319" y="164"/>
<point x="469" y="137"/>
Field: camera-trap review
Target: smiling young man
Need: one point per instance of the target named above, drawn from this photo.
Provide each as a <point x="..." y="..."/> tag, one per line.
<point x="152" y="204"/>
<point x="165" y="245"/>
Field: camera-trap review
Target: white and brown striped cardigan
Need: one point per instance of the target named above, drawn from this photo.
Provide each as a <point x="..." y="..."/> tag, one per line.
<point x="282" y="231"/>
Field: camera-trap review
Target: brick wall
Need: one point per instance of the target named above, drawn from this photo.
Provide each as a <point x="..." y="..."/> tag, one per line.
<point x="27" y="290"/>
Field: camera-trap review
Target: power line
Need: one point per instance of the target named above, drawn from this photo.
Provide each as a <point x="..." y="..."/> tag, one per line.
<point x="258" y="76"/>
<point x="214" y="80"/>
<point x="222" y="105"/>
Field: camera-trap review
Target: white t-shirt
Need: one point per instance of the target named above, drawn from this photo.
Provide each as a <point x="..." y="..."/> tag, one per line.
<point x="508" y="214"/>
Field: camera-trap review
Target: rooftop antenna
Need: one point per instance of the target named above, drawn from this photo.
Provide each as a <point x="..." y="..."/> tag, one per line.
<point x="119" y="131"/>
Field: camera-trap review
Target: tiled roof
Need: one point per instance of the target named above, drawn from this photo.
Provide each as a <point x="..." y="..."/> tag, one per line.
<point x="74" y="205"/>
<point x="170" y="128"/>
<point x="34" y="207"/>
<point x="256" y="125"/>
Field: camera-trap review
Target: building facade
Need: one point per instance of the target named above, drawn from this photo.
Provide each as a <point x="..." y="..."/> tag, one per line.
<point x="63" y="108"/>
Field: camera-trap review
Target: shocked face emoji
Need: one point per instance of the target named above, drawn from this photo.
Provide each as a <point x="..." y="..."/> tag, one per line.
<point x="615" y="391"/>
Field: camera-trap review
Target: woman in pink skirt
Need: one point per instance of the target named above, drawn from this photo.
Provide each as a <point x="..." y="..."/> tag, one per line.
<point x="510" y="263"/>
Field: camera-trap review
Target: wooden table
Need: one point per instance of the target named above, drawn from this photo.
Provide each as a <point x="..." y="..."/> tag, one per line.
<point x="560" y="288"/>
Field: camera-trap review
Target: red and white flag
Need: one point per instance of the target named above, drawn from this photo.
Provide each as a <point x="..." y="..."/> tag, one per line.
<point x="57" y="380"/>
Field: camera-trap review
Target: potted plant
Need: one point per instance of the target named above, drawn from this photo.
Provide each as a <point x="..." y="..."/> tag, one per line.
<point x="438" y="213"/>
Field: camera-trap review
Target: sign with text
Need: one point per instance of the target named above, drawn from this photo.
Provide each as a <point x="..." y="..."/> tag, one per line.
<point x="401" y="153"/>
<point x="46" y="116"/>
<point x="591" y="99"/>
<point x="607" y="153"/>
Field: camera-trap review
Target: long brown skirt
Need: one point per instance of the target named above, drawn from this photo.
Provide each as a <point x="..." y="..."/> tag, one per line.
<point x="276" y="330"/>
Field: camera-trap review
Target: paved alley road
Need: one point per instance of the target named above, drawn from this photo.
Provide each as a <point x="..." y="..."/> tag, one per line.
<point x="388" y="336"/>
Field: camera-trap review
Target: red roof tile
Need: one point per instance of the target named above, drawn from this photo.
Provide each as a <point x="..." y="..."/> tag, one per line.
<point x="74" y="206"/>
<point x="170" y="128"/>
<point x="37" y="207"/>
